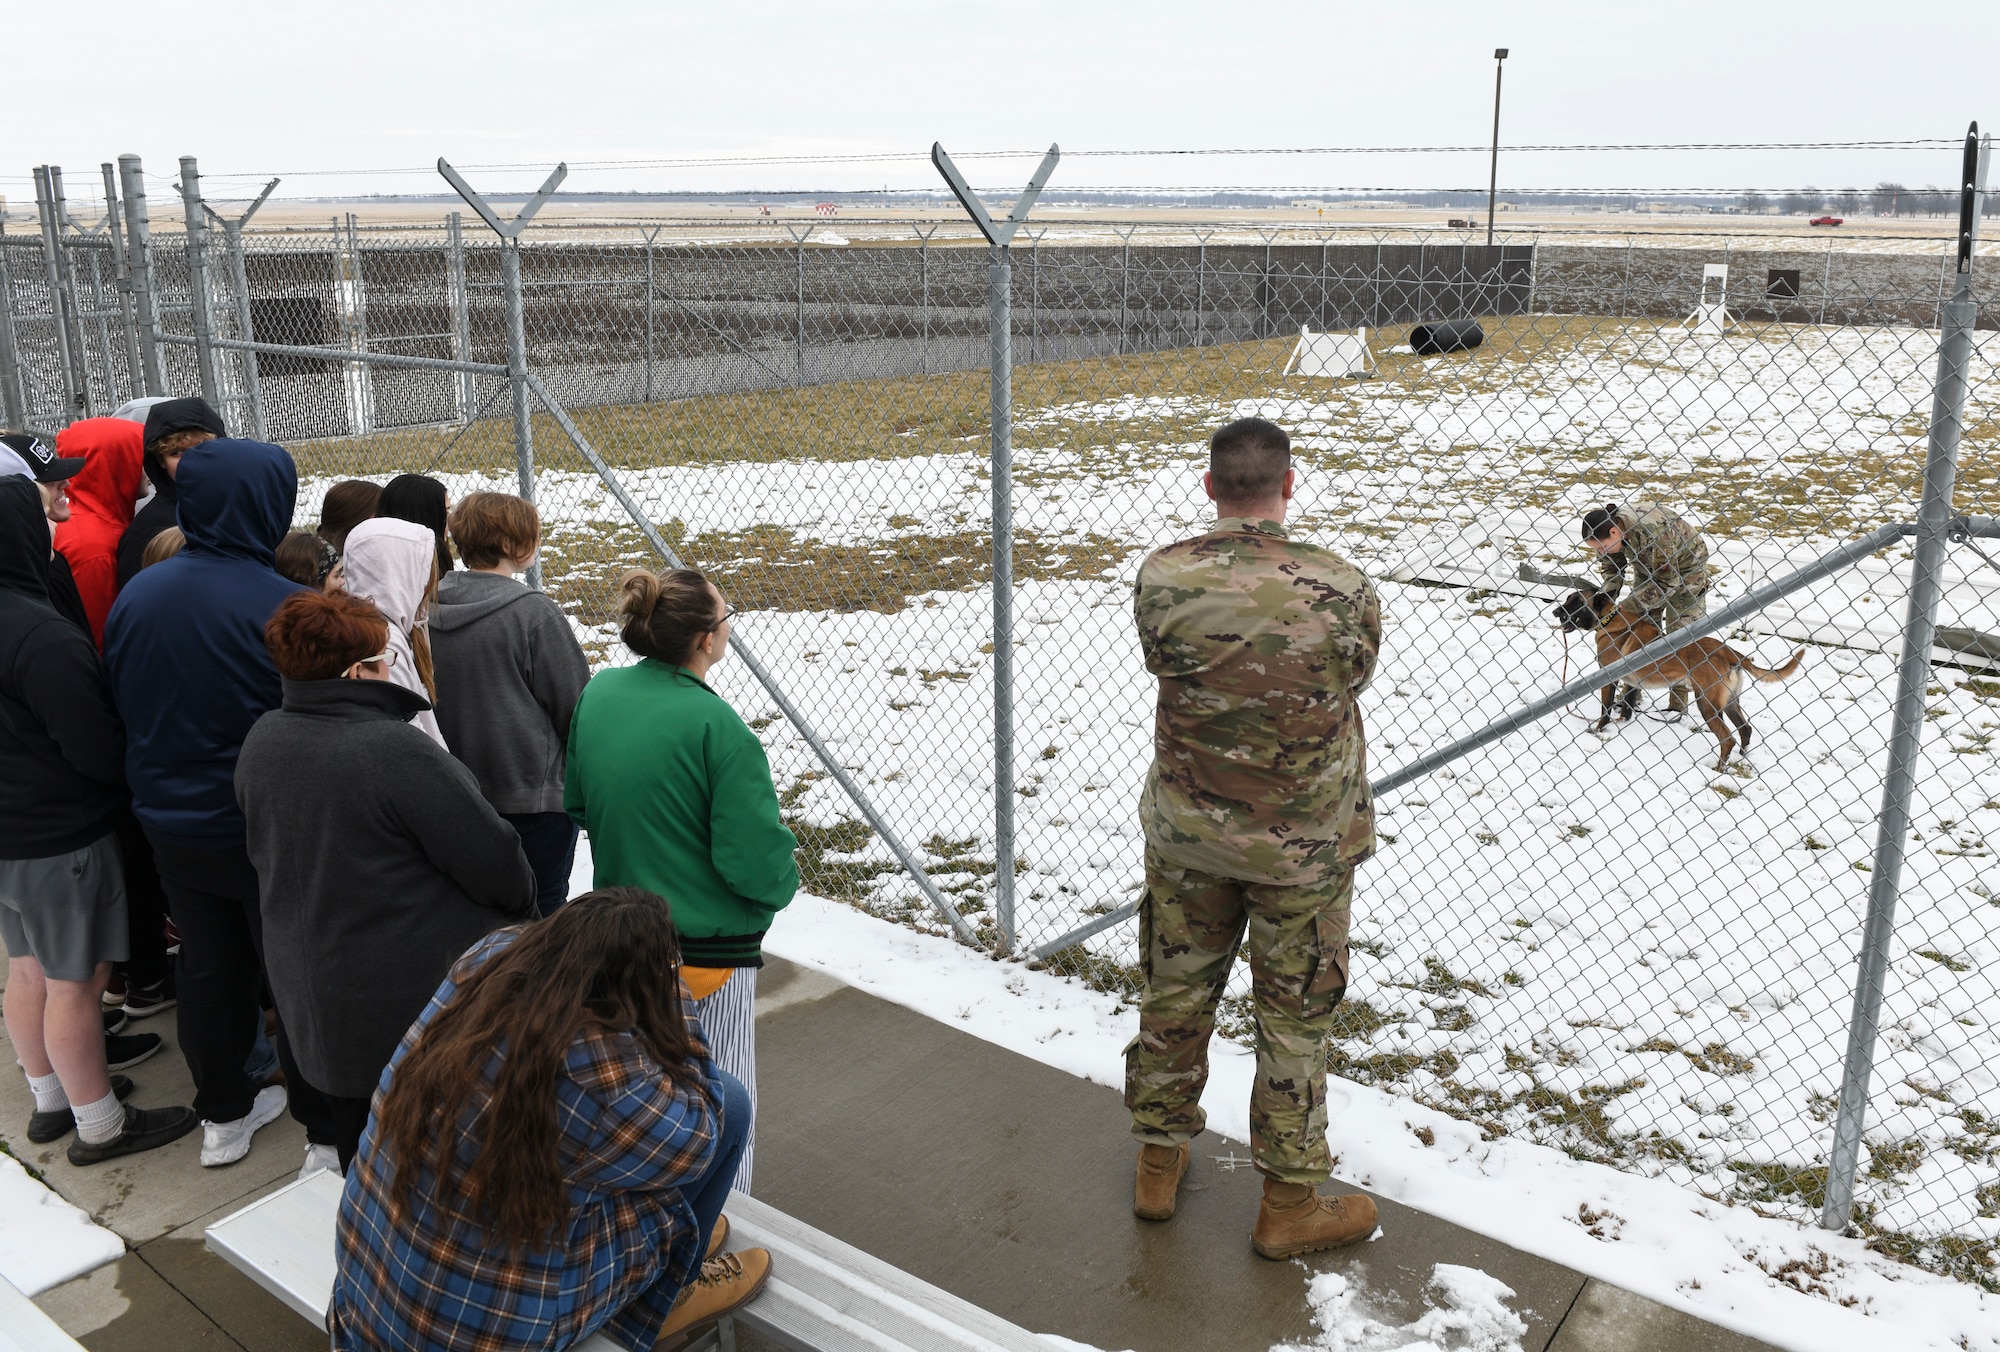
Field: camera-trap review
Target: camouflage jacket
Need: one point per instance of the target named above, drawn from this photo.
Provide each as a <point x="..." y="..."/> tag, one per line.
<point x="1261" y="644"/>
<point x="1666" y="556"/>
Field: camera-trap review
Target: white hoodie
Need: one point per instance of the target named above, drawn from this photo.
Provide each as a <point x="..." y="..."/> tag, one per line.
<point x="389" y="562"/>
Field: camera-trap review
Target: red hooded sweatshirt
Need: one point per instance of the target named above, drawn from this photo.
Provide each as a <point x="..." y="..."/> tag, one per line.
<point x="102" y="498"/>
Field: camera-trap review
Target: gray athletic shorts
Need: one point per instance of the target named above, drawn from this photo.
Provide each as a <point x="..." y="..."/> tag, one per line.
<point x="67" y="912"/>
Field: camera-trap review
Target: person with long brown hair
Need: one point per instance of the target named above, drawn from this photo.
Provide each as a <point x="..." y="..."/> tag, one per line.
<point x="378" y="862"/>
<point x="394" y="564"/>
<point x="550" y="1152"/>
<point x="675" y="790"/>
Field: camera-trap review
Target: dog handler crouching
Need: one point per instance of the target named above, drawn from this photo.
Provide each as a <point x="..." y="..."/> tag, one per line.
<point x="1669" y="566"/>
<point x="1256" y="812"/>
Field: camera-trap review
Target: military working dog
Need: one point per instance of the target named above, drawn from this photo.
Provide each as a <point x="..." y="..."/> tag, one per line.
<point x="1712" y="667"/>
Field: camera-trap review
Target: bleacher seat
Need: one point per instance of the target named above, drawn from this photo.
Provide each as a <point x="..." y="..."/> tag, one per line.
<point x="823" y="1296"/>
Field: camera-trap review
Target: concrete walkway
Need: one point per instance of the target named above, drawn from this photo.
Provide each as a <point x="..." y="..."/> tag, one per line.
<point x="990" y="1175"/>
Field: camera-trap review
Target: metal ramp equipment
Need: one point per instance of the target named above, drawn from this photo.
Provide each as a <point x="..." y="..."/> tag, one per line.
<point x="823" y="1295"/>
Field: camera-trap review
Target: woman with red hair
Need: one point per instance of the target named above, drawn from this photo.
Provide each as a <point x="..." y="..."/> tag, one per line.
<point x="103" y="496"/>
<point x="378" y="861"/>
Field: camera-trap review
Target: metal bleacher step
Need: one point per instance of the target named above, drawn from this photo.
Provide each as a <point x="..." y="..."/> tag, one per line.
<point x="24" y="1328"/>
<point x="823" y="1295"/>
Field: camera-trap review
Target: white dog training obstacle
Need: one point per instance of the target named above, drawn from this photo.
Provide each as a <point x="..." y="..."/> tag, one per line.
<point x="1330" y="355"/>
<point x="1711" y="314"/>
<point x="823" y="1295"/>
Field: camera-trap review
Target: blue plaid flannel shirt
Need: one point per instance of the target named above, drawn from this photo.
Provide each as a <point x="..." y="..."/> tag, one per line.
<point x="629" y="1139"/>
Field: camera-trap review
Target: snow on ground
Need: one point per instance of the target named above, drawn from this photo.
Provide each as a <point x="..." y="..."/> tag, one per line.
<point x="44" y="1241"/>
<point x="1763" y="1277"/>
<point x="1468" y="1311"/>
<point x="1601" y="945"/>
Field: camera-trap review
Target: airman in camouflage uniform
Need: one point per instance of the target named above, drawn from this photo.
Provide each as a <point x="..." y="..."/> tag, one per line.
<point x="1256" y="811"/>
<point x="1668" y="563"/>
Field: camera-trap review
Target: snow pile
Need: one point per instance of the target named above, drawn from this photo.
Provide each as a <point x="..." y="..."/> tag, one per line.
<point x="1469" y="1314"/>
<point x="44" y="1241"/>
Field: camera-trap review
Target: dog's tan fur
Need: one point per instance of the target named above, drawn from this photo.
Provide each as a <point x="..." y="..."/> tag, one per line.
<point x="1712" y="667"/>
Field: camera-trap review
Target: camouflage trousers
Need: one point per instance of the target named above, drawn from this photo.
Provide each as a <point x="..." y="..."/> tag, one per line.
<point x="1678" y="611"/>
<point x="1191" y="925"/>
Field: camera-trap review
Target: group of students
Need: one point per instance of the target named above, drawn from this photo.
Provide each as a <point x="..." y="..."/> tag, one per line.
<point x="328" y="785"/>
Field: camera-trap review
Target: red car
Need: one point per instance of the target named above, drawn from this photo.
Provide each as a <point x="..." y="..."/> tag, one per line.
<point x="1825" y="220"/>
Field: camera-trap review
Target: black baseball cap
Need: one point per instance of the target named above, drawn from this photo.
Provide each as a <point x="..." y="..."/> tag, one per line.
<point x="181" y="415"/>
<point x="48" y="467"/>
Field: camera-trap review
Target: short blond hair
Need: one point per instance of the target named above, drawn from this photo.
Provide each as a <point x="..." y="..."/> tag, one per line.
<point x="490" y="527"/>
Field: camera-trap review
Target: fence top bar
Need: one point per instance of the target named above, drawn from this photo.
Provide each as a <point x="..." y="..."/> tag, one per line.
<point x="482" y="368"/>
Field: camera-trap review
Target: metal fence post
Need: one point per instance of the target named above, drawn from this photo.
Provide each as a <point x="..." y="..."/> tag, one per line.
<point x="1000" y="337"/>
<point x="1000" y="324"/>
<point x="13" y="391"/>
<point x="197" y="265"/>
<point x="517" y="364"/>
<point x="1124" y="286"/>
<point x="1912" y="676"/>
<point x="232" y="231"/>
<point x="924" y="314"/>
<point x="146" y="312"/>
<point x="1375" y="289"/>
<point x="651" y="235"/>
<point x="799" y="301"/>
<point x="1034" y="306"/>
<point x="1200" y="280"/>
<point x="459" y="299"/>
<point x="1324" y="249"/>
<point x="72" y="296"/>
<point x="75" y="387"/>
<point x="517" y="324"/>
<point x="121" y="266"/>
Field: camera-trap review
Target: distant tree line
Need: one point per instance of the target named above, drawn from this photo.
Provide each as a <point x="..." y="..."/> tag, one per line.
<point x="1884" y="199"/>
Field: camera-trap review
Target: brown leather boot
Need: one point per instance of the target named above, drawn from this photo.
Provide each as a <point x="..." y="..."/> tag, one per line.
<point x="1295" y="1219"/>
<point x="726" y="1285"/>
<point x="717" y="1237"/>
<point x="1161" y="1169"/>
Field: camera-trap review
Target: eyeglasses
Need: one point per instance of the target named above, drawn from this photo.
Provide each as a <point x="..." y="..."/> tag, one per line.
<point x="729" y="613"/>
<point x="387" y="658"/>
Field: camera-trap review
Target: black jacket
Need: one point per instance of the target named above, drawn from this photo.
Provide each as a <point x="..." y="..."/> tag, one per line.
<point x="62" y="750"/>
<point x="158" y="514"/>
<point x="378" y="864"/>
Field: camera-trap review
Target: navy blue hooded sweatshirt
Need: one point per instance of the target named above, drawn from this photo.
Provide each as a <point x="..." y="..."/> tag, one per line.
<point x="62" y="777"/>
<point x="185" y="642"/>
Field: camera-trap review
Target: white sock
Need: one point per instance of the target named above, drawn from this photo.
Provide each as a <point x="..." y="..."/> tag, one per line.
<point x="48" y="1092"/>
<point x="101" y="1121"/>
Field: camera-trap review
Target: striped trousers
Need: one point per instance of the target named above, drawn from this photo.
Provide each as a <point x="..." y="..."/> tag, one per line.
<point x="729" y="1022"/>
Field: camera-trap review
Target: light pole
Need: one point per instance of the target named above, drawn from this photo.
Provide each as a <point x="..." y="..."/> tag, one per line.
<point x="1493" y="168"/>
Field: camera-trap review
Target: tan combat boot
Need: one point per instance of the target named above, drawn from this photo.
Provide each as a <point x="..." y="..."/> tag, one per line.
<point x="726" y="1285"/>
<point x="1296" y="1219"/>
<point x="1677" y="700"/>
<point x="717" y="1237"/>
<point x="1161" y="1169"/>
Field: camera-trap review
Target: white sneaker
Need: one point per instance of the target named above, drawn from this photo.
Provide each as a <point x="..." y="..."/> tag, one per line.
<point x="320" y="1159"/>
<point x="227" y="1142"/>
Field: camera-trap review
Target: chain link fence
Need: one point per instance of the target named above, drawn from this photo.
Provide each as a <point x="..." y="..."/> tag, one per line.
<point x="1596" y="939"/>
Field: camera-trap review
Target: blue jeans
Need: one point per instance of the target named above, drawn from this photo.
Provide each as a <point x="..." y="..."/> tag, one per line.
<point x="549" y="841"/>
<point x="707" y="1193"/>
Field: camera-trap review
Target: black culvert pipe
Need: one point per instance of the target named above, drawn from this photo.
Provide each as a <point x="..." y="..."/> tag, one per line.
<point x="1446" y="335"/>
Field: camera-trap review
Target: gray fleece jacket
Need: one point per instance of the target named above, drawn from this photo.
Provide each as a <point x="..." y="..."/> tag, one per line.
<point x="508" y="675"/>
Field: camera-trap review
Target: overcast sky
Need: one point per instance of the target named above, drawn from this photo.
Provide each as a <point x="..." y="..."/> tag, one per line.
<point x="255" y="89"/>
